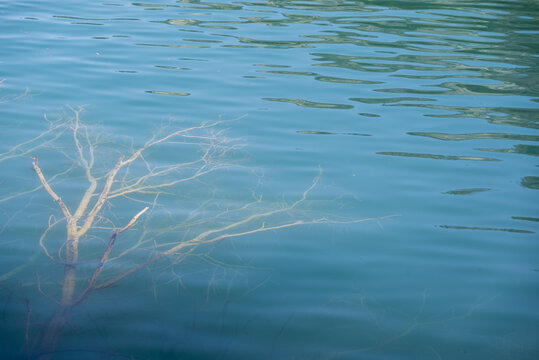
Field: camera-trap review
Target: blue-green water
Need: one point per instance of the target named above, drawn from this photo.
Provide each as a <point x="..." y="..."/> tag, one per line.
<point x="425" y="110"/>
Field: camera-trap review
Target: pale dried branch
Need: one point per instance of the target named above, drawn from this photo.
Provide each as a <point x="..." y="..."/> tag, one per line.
<point x="201" y="237"/>
<point x="189" y="246"/>
<point x="263" y="227"/>
<point x="201" y="166"/>
<point x="139" y="186"/>
<point x="133" y="220"/>
<point x="86" y="164"/>
<point x="102" y="197"/>
<point x="49" y="190"/>
<point x="141" y="237"/>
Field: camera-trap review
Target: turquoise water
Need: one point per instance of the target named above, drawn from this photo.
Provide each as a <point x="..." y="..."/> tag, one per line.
<point x="420" y="116"/>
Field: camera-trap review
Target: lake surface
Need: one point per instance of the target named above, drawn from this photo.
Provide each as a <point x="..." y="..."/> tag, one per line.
<point x="421" y="116"/>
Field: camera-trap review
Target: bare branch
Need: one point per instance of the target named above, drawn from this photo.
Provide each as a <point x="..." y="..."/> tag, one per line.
<point x="47" y="187"/>
<point x="102" y="197"/>
<point x="86" y="164"/>
<point x="105" y="257"/>
<point x="133" y="220"/>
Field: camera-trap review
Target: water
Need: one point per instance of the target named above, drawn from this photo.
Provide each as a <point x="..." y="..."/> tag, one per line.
<point x="424" y="111"/>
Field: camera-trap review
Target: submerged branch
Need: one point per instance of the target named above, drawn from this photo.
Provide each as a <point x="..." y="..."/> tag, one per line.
<point x="49" y="190"/>
<point x="133" y="174"/>
<point x="105" y="257"/>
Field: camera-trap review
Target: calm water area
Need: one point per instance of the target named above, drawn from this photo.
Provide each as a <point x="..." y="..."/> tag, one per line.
<point x="419" y="117"/>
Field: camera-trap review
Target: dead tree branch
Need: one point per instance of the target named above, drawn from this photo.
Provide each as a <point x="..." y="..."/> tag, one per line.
<point x="130" y="176"/>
